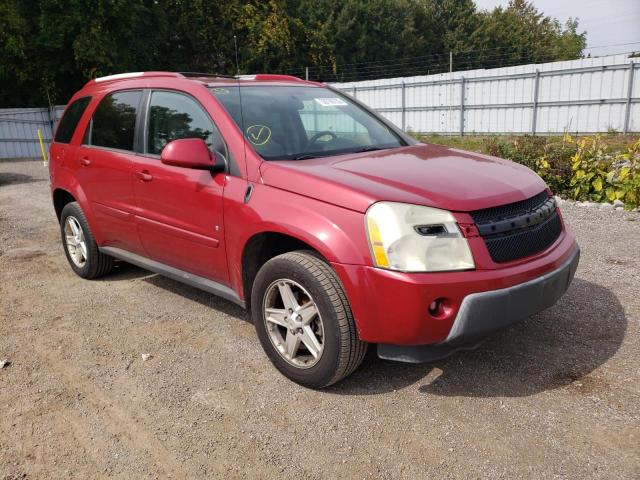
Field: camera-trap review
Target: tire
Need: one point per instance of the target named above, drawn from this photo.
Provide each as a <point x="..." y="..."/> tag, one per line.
<point x="309" y="277"/>
<point x="95" y="264"/>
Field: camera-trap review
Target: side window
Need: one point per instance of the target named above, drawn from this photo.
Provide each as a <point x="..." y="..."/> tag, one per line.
<point x="114" y="121"/>
<point x="70" y="120"/>
<point x="173" y="116"/>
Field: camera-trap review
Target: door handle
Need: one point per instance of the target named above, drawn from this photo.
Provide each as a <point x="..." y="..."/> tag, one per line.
<point x="144" y="175"/>
<point x="85" y="162"/>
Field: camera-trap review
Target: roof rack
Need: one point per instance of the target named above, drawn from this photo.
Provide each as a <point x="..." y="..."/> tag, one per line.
<point x="203" y="74"/>
<point x="265" y="77"/>
<point x="259" y="77"/>
<point x="129" y="75"/>
<point x="118" y="76"/>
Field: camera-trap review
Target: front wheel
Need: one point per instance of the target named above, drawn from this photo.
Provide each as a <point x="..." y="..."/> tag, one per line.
<point x="304" y="321"/>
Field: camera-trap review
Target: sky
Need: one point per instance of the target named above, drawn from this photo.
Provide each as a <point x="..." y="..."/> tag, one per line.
<point x="607" y="22"/>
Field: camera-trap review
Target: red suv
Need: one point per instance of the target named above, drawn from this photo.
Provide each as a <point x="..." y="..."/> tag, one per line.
<point x="295" y="200"/>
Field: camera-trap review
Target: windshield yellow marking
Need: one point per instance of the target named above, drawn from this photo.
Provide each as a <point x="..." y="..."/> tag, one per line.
<point x="258" y="134"/>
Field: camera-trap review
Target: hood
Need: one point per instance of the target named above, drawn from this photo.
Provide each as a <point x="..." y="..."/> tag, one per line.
<point x="421" y="174"/>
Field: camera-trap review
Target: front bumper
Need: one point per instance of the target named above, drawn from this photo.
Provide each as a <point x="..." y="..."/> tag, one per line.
<point x="483" y="313"/>
<point x="392" y="307"/>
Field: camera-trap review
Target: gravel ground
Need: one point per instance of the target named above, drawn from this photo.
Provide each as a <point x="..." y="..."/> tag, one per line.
<point x="557" y="396"/>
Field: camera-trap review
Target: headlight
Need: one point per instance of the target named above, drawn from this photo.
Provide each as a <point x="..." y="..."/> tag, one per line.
<point x="413" y="238"/>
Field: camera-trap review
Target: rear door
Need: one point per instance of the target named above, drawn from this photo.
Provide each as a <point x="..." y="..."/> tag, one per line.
<point x="105" y="167"/>
<point x="180" y="209"/>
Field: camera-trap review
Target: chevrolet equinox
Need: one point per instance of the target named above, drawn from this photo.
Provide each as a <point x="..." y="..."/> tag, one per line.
<point x="292" y="199"/>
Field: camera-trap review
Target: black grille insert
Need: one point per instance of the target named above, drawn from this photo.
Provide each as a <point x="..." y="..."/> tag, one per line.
<point x="525" y="228"/>
<point x="510" y="210"/>
<point x="524" y="242"/>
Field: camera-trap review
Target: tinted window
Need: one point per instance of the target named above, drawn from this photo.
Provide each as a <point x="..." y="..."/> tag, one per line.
<point x="173" y="116"/>
<point x="70" y="120"/>
<point x="114" y="120"/>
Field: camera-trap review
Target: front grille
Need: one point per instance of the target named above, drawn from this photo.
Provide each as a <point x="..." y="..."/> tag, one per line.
<point x="525" y="228"/>
<point x="524" y="242"/>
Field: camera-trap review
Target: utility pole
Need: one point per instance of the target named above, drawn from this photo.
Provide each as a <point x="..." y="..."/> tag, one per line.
<point x="306" y="73"/>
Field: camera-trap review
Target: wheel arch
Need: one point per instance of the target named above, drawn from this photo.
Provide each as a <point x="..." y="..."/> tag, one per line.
<point x="61" y="197"/>
<point x="67" y="188"/>
<point x="262" y="247"/>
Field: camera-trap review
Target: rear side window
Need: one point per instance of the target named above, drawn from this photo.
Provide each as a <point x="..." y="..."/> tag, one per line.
<point x="114" y="121"/>
<point x="70" y="120"/>
<point x="173" y="116"/>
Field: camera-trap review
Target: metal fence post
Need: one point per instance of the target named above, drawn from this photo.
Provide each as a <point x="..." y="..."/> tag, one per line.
<point x="461" y="106"/>
<point x="315" y="117"/>
<point x="355" y="90"/>
<point x="627" y="111"/>
<point x="534" y="114"/>
<point x="404" y="107"/>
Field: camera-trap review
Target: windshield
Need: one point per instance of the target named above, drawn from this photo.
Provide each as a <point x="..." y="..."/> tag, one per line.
<point x="294" y="123"/>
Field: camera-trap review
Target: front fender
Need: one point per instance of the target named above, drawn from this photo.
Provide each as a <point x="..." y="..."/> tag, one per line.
<point x="337" y="233"/>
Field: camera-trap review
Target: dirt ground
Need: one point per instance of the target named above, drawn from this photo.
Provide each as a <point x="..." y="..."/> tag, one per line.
<point x="557" y="396"/>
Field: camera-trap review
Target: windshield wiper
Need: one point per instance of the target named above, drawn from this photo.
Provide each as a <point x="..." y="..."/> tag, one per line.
<point x="370" y="148"/>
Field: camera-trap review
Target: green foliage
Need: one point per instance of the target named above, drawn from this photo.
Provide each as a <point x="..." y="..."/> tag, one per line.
<point x="601" y="176"/>
<point x="50" y="48"/>
<point x="590" y="166"/>
<point x="627" y="175"/>
<point x="525" y="149"/>
<point x="554" y="165"/>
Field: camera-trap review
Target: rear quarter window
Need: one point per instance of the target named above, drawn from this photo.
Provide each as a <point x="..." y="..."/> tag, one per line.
<point x="70" y="120"/>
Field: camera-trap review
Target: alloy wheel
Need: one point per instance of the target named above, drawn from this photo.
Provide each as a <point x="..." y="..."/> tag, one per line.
<point x="76" y="243"/>
<point x="294" y="323"/>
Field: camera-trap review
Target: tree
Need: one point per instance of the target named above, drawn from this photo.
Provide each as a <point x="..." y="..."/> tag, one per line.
<point x="521" y="34"/>
<point x="15" y="46"/>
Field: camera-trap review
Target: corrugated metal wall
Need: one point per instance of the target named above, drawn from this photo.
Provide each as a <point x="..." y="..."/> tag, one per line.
<point x="587" y="95"/>
<point x="19" y="130"/>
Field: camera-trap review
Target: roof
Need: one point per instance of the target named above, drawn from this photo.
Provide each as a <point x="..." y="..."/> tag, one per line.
<point x="206" y="78"/>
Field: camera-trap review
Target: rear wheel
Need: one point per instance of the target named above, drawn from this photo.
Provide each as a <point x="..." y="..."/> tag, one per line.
<point x="79" y="245"/>
<point x="304" y="321"/>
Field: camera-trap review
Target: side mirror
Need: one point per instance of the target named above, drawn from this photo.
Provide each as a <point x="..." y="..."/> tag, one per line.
<point x="191" y="153"/>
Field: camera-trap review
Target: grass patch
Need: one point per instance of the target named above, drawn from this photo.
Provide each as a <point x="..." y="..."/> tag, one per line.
<point x="483" y="143"/>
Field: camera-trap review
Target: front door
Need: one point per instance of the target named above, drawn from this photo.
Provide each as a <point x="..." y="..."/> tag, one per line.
<point x="179" y="210"/>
